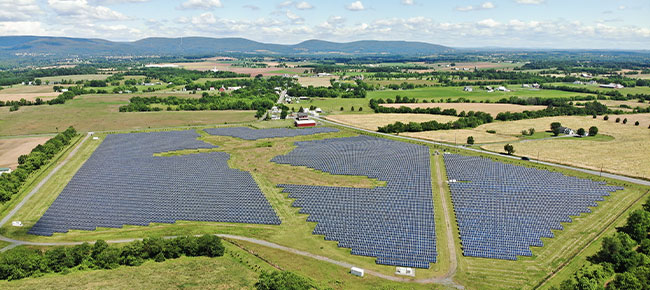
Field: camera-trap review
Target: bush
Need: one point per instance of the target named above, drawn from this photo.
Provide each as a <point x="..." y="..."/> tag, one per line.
<point x="581" y="132"/>
<point x="593" y="131"/>
<point x="491" y="131"/>
<point x="509" y="149"/>
<point x="618" y="120"/>
<point x="625" y="121"/>
<point x="636" y="123"/>
<point x="555" y="128"/>
<point x="284" y="280"/>
<point x="341" y="108"/>
<point x="606" y="118"/>
<point x="470" y="140"/>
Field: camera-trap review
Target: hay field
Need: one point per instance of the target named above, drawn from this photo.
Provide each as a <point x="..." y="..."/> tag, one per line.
<point x="616" y="104"/>
<point x="374" y="121"/>
<point x="76" y="77"/>
<point x="460" y="136"/>
<point x="12" y="148"/>
<point x="627" y="154"/>
<point x="29" y="93"/>
<point x="315" y="81"/>
<point x="492" y="109"/>
<point x="205" y="66"/>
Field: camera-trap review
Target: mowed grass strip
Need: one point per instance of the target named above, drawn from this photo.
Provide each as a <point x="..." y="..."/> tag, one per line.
<point x="374" y="121"/>
<point x="627" y="154"/>
<point x="460" y="136"/>
<point x="492" y="109"/>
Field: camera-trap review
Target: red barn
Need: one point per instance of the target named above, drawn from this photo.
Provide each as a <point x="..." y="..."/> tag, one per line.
<point x="305" y="123"/>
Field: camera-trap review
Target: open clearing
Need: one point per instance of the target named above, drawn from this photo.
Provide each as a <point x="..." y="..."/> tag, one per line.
<point x="205" y="66"/>
<point x="374" y="121"/>
<point x="315" y="81"/>
<point x="75" y="78"/>
<point x="460" y="136"/>
<point x="492" y="109"/>
<point x="12" y="148"/>
<point x="100" y="113"/>
<point x="628" y="154"/>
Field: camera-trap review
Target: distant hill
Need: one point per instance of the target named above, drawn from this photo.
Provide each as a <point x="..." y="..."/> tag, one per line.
<point x="65" y="46"/>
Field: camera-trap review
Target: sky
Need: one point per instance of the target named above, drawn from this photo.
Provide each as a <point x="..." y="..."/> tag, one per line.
<point x="556" y="24"/>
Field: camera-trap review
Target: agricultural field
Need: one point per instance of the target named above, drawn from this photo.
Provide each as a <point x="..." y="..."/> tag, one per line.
<point x="626" y="154"/>
<point x="444" y="93"/>
<point x="12" y="148"/>
<point x="29" y="93"/>
<point x="208" y="65"/>
<point x="460" y="136"/>
<point x="75" y="78"/>
<point x="100" y="113"/>
<point x="374" y="121"/>
<point x="492" y="109"/>
<point x="314" y="81"/>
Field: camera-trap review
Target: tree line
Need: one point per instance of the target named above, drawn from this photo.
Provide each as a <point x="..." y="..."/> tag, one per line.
<point x="179" y="76"/>
<point x="12" y="77"/>
<point x="590" y="108"/>
<point x="470" y="120"/>
<point x="625" y="256"/>
<point x="22" y="262"/>
<point x="10" y="183"/>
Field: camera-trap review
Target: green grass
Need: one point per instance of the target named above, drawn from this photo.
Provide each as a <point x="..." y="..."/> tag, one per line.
<point x="624" y="91"/>
<point x="100" y="113"/>
<point x="237" y="269"/>
<point x="75" y="78"/>
<point x="477" y="95"/>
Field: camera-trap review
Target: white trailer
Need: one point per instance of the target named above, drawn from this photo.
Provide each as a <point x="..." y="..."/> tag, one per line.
<point x="356" y="271"/>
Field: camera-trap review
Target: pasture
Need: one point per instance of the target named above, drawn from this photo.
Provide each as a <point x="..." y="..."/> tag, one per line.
<point x="492" y="109"/>
<point x="460" y="136"/>
<point x="374" y="121"/>
<point x="627" y="154"/>
<point x="29" y="93"/>
<point x="444" y="93"/>
<point x="75" y="78"/>
<point x="100" y="113"/>
<point x="12" y="148"/>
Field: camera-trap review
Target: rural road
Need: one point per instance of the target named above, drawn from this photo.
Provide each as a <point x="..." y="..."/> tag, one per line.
<point x="592" y="172"/>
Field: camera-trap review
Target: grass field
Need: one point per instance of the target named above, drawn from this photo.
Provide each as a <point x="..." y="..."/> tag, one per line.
<point x="100" y="113"/>
<point x="492" y="109"/>
<point x="624" y="91"/>
<point x="478" y="95"/>
<point x="314" y="81"/>
<point x="627" y="154"/>
<point x="374" y="121"/>
<point x="76" y="78"/>
<point x="29" y="93"/>
<point x="460" y="136"/>
<point x="12" y="148"/>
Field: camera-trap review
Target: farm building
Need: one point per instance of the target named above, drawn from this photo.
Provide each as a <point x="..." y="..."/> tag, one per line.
<point x="612" y="86"/>
<point x="305" y="123"/>
<point x="5" y="170"/>
<point x="567" y="131"/>
<point x="302" y="116"/>
<point x="468" y="89"/>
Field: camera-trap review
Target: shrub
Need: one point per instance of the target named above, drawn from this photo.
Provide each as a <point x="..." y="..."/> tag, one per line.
<point x="509" y="149"/>
<point x="593" y="131"/>
<point x="470" y="140"/>
<point x="341" y="108"/>
<point x="625" y="121"/>
<point x="636" y="123"/>
<point x="618" y="120"/>
<point x="491" y="131"/>
<point x="282" y="280"/>
<point x="606" y="118"/>
<point x="581" y="131"/>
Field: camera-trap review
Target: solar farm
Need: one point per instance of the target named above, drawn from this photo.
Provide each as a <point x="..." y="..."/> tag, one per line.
<point x="393" y="223"/>
<point x="124" y="184"/>
<point x="503" y="209"/>
<point x="208" y="180"/>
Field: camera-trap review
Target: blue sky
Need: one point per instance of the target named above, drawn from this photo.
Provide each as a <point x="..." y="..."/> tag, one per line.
<point x="593" y="24"/>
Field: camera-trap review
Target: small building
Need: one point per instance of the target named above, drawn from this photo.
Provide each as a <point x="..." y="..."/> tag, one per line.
<point x="305" y="123"/>
<point x="318" y="110"/>
<point x="536" y="86"/>
<point x="222" y="89"/>
<point x="303" y="116"/>
<point x="303" y="98"/>
<point x="567" y="131"/>
<point x="5" y="170"/>
<point x="212" y="88"/>
<point x="468" y="89"/>
<point x="16" y="224"/>
<point x="525" y="86"/>
<point x="612" y="86"/>
<point x="578" y="83"/>
<point x="503" y="89"/>
<point x="233" y="88"/>
<point x="405" y="271"/>
<point x="357" y="271"/>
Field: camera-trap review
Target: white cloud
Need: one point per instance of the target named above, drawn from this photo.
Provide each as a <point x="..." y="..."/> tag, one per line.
<point x="201" y="4"/>
<point x="408" y="2"/>
<point x="622" y="7"/>
<point x="285" y="4"/>
<point x="534" y="2"/>
<point x="304" y="5"/>
<point x="251" y="7"/>
<point x="483" y="6"/>
<point x="80" y="9"/>
<point x="491" y="23"/>
<point x="24" y="28"/>
<point x="18" y="10"/>
<point x="355" y="6"/>
<point x="294" y="18"/>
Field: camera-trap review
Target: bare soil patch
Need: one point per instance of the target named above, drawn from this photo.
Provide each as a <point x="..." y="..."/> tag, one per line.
<point x="12" y="148"/>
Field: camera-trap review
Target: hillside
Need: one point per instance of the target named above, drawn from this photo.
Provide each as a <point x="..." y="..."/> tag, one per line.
<point x="64" y="46"/>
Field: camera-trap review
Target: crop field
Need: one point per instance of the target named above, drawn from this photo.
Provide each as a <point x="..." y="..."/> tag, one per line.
<point x="460" y="136"/>
<point x="444" y="93"/>
<point x="492" y="109"/>
<point x="205" y="66"/>
<point x="76" y="78"/>
<point x="314" y="81"/>
<point x="374" y="121"/>
<point x="12" y="148"/>
<point x="627" y="154"/>
<point x="29" y="93"/>
<point x="100" y="113"/>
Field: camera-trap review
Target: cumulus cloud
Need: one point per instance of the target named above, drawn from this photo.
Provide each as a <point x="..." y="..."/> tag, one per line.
<point x="201" y="4"/>
<point x="408" y="2"/>
<point x="18" y="10"/>
<point x="80" y="9"/>
<point x="304" y="5"/>
<point x="355" y="6"/>
<point x="483" y="6"/>
<point x="23" y="28"/>
<point x="533" y="2"/>
<point x="294" y="18"/>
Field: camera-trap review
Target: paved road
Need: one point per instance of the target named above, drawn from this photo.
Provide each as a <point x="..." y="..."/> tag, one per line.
<point x="40" y="184"/>
<point x="592" y="172"/>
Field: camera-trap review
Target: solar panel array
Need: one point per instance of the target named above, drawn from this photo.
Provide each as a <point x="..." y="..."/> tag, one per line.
<point x="122" y="183"/>
<point x="503" y="209"/>
<point x="247" y="133"/>
<point x="394" y="223"/>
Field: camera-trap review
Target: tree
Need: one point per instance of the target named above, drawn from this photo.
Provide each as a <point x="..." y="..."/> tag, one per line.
<point x="625" y="281"/>
<point x="593" y="131"/>
<point x="638" y="225"/>
<point x="531" y="131"/>
<point x="470" y="140"/>
<point x="352" y="109"/>
<point x="301" y="110"/>
<point x="210" y="246"/>
<point x="509" y="149"/>
<point x="277" y="280"/>
<point x="555" y="128"/>
<point x="360" y="109"/>
<point x="283" y="114"/>
<point x="618" y="120"/>
<point x="617" y="250"/>
<point x="625" y="121"/>
<point x="581" y="132"/>
<point x="606" y="117"/>
<point x="341" y="108"/>
<point x="636" y="123"/>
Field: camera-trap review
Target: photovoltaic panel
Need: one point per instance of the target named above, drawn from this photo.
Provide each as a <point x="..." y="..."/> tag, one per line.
<point x="247" y="133"/>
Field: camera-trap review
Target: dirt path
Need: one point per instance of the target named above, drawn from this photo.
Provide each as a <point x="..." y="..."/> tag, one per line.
<point x="451" y="249"/>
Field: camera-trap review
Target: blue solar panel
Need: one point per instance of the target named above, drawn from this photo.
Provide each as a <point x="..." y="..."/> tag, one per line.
<point x="393" y="223"/>
<point x="122" y="183"/>
<point x="503" y="209"/>
<point x="247" y="133"/>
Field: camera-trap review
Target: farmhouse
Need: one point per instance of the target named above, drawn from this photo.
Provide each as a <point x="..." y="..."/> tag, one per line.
<point x="468" y="89"/>
<point x="567" y="131"/>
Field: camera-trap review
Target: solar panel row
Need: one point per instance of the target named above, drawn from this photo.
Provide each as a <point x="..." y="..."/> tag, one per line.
<point x="503" y="209"/>
<point x="394" y="223"/>
<point x="122" y="183"/>
<point x="247" y="133"/>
